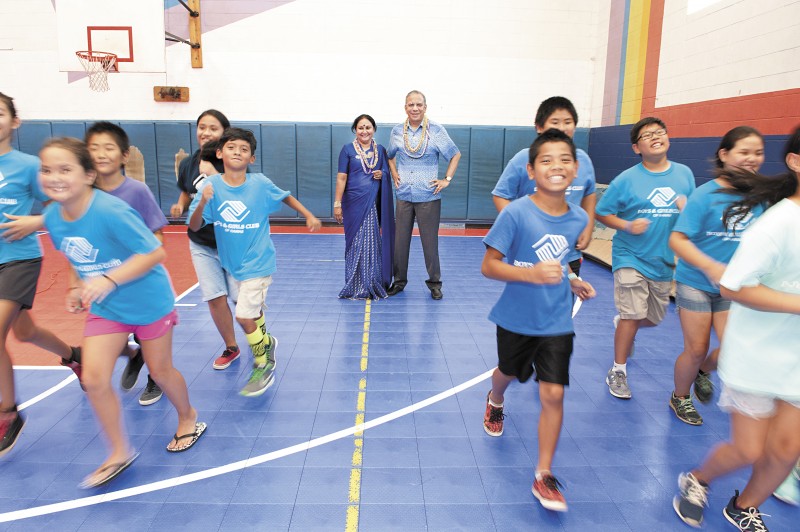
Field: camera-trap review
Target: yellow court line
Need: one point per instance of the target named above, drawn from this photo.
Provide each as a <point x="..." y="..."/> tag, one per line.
<point x="354" y="495"/>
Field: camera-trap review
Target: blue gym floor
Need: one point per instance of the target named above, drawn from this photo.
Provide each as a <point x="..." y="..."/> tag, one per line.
<point x="422" y="466"/>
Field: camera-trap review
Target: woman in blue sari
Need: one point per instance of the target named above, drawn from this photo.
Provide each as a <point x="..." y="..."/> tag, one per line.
<point x="363" y="201"/>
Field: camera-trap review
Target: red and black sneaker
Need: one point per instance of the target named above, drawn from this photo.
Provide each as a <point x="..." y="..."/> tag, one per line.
<point x="493" y="419"/>
<point x="227" y="357"/>
<point x="11" y="424"/>
<point x="547" y="490"/>
<point x="74" y="364"/>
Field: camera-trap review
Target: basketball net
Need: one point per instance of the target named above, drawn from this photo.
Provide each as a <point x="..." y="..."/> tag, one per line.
<point x="97" y="65"/>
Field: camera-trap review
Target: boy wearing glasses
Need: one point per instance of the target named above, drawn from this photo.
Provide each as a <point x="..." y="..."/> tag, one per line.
<point x="642" y="204"/>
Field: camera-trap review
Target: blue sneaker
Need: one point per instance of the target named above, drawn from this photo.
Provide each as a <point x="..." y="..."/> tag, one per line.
<point x="789" y="491"/>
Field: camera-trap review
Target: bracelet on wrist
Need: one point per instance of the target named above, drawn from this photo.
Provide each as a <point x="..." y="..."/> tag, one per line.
<point x="74" y="288"/>
<point x="337" y="204"/>
<point x="112" y="280"/>
<point x="572" y="276"/>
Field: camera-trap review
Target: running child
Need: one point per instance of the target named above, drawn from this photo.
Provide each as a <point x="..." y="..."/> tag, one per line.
<point x="759" y="363"/>
<point x="559" y="113"/>
<point x="704" y="246"/>
<point x="527" y="248"/>
<point x="20" y="265"/>
<point x="110" y="148"/>
<point x="642" y="204"/>
<point x="116" y="275"/>
<point x="238" y="205"/>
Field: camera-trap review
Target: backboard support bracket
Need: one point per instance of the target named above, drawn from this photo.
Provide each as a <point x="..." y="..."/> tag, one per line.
<point x="195" y="33"/>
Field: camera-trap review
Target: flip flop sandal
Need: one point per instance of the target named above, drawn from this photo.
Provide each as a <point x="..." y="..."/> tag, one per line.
<point x="199" y="429"/>
<point x="111" y="471"/>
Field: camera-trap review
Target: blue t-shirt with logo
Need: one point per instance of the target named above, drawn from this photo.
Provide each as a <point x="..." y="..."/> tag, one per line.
<point x="525" y="235"/>
<point x="241" y="223"/>
<point x="515" y="183"/>
<point x="639" y="193"/>
<point x="701" y="222"/>
<point x="19" y="187"/>
<point x="109" y="233"/>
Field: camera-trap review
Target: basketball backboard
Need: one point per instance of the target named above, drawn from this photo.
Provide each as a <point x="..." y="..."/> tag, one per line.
<point x="131" y="29"/>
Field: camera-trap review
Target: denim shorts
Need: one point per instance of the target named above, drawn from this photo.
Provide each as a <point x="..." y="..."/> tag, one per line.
<point x="214" y="280"/>
<point x="696" y="300"/>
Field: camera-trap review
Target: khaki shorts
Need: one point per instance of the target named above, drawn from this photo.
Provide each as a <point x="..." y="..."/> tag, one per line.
<point x="637" y="297"/>
<point x="250" y="296"/>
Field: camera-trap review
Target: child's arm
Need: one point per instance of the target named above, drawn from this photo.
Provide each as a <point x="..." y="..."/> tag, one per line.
<point x="20" y="226"/>
<point x="196" y="220"/>
<point x="582" y="289"/>
<point x="545" y="272"/>
<point x="74" y="291"/>
<point x="180" y="206"/>
<point x="685" y="249"/>
<point x="159" y="234"/>
<point x="311" y="221"/>
<point x="97" y="288"/>
<point x="763" y="298"/>
<point x="634" y="227"/>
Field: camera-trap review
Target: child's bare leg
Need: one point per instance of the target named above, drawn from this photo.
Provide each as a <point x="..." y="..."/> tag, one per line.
<point x="748" y="437"/>
<point x="696" y="328"/>
<point x="781" y="452"/>
<point x="27" y="331"/>
<point x="500" y="382"/>
<point x="9" y="310"/>
<point x="98" y="365"/>
<point x="223" y="319"/>
<point x="158" y="357"/>
<point x="551" y="396"/>
<point x="625" y="335"/>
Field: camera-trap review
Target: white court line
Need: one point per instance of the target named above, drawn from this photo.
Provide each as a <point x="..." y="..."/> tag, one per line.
<point x="235" y="466"/>
<point x="185" y="304"/>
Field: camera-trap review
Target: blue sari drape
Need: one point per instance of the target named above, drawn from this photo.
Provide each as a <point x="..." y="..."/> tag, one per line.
<point x="368" y="212"/>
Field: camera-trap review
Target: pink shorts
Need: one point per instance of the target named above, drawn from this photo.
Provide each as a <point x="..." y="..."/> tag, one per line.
<point x="97" y="326"/>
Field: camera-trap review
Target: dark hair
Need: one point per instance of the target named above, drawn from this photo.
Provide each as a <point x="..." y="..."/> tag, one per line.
<point x="550" y="106"/>
<point x="731" y="138"/>
<point x="116" y="132"/>
<point x="638" y="126"/>
<point x="359" y="118"/>
<point x="216" y="114"/>
<point x="424" y="100"/>
<point x="551" y="135"/>
<point x="757" y="189"/>
<point x="9" y="101"/>
<point x="75" y="146"/>
<point x="208" y="153"/>
<point x="238" y="133"/>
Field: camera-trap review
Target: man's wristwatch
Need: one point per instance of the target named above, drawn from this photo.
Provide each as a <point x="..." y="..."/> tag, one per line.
<point x="448" y="178"/>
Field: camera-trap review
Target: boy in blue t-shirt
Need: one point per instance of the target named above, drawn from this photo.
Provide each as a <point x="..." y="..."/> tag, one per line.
<point x="239" y="205"/>
<point x="559" y="113"/>
<point x="642" y="204"/>
<point x="534" y="235"/>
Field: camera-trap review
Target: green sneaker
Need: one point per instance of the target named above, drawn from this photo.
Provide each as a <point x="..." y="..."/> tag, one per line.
<point x="270" y="352"/>
<point x="703" y="387"/>
<point x="685" y="410"/>
<point x="261" y="378"/>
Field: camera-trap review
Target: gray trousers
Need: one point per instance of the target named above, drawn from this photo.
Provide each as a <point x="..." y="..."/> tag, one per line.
<point x="427" y="215"/>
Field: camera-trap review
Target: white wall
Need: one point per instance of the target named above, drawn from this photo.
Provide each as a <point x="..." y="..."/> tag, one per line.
<point x="478" y="61"/>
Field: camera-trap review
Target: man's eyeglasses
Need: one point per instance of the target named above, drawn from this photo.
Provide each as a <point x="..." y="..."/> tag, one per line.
<point x="650" y="134"/>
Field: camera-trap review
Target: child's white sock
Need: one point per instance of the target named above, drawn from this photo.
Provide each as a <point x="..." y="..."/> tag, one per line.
<point x="620" y="367"/>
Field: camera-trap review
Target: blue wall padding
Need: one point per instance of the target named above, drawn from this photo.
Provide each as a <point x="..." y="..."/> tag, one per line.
<point x="143" y="136"/>
<point x="279" y="155"/>
<point x="454" y="199"/>
<point x="170" y="138"/>
<point x="485" y="166"/>
<point x="70" y="129"/>
<point x="611" y="152"/>
<point x="314" y="189"/>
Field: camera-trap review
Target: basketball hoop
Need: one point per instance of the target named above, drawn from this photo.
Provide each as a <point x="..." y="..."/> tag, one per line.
<point x="97" y="65"/>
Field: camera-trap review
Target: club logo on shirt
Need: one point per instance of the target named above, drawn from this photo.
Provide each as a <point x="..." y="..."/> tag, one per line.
<point x="662" y="197"/>
<point x="737" y="225"/>
<point x="233" y="211"/>
<point x="78" y="250"/>
<point x="551" y="247"/>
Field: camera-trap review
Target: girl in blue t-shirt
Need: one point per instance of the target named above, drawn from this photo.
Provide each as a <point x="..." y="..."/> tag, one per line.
<point x="20" y="264"/>
<point x="704" y="245"/>
<point x="116" y="275"/>
<point x="759" y="363"/>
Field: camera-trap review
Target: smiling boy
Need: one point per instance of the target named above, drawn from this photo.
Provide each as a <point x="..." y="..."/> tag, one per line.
<point x="642" y="204"/>
<point x="527" y="248"/>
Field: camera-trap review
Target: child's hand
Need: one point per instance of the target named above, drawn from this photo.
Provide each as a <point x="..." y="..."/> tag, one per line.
<point x="19" y="226"/>
<point x="208" y="193"/>
<point x="582" y="289"/>
<point x="714" y="273"/>
<point x="74" y="304"/>
<point x="176" y="210"/>
<point x="313" y="223"/>
<point x="584" y="239"/>
<point x="96" y="289"/>
<point x="637" y="226"/>
<point x="546" y="272"/>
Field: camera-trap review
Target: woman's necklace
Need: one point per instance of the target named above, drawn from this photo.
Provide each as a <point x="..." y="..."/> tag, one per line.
<point x="368" y="162"/>
<point x="423" y="141"/>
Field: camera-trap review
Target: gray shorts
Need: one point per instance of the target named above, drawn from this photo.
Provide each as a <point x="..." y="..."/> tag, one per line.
<point x="637" y="297"/>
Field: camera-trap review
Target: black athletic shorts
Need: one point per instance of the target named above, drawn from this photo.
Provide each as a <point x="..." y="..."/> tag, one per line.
<point x="18" y="280"/>
<point x="520" y="355"/>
